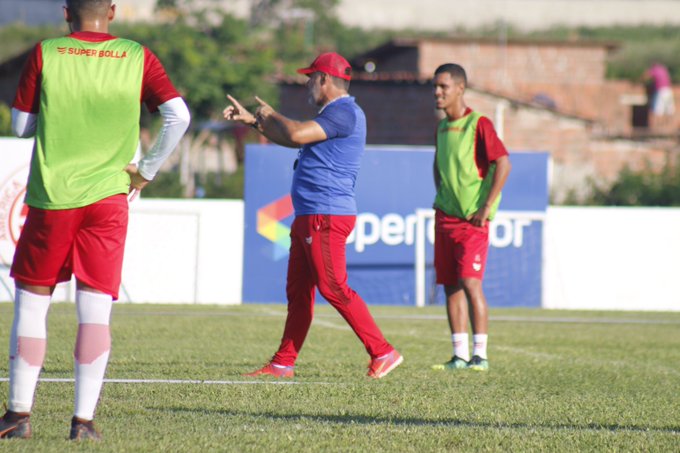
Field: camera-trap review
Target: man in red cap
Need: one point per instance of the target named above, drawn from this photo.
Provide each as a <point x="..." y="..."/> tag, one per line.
<point x="331" y="146"/>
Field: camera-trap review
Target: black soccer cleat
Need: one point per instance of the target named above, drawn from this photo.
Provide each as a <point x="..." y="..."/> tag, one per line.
<point x="15" y="425"/>
<point x="83" y="430"/>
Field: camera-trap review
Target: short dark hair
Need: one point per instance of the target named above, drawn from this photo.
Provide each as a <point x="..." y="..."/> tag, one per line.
<point x="337" y="82"/>
<point x="455" y="70"/>
<point x="88" y="8"/>
<point x="342" y="84"/>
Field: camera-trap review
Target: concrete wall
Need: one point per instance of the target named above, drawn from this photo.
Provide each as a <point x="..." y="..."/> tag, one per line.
<point x="612" y="259"/>
<point x="184" y="251"/>
<point x="447" y="16"/>
<point x="177" y="251"/>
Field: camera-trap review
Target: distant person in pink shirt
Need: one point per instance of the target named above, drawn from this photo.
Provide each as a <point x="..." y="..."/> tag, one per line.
<point x="661" y="102"/>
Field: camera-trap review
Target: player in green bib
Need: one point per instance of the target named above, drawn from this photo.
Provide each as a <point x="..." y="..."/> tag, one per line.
<point x="470" y="168"/>
<point x="80" y="97"/>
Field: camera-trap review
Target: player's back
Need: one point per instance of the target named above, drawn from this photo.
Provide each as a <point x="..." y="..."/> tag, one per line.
<point x="88" y="125"/>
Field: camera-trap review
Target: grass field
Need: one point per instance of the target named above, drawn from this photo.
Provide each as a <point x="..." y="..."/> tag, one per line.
<point x="559" y="382"/>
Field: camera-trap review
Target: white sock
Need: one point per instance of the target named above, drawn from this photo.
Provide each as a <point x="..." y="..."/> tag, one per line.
<point x="27" y="346"/>
<point x="93" y="346"/>
<point x="479" y="344"/>
<point x="461" y="348"/>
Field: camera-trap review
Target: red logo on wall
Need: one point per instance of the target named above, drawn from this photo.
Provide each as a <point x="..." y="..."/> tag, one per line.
<point x="13" y="213"/>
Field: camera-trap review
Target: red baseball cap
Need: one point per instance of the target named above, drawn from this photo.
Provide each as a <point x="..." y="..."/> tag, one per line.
<point x="330" y="63"/>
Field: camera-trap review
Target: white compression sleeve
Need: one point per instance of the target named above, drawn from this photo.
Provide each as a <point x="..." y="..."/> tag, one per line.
<point x="91" y="354"/>
<point x="27" y="346"/>
<point x="23" y="123"/>
<point x="176" y="119"/>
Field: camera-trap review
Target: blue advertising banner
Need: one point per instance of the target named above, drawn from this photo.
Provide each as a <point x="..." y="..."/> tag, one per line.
<point x="393" y="184"/>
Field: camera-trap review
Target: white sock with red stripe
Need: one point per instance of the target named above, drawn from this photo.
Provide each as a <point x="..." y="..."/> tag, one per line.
<point x="27" y="346"/>
<point x="461" y="348"/>
<point x="93" y="346"/>
<point x="479" y="342"/>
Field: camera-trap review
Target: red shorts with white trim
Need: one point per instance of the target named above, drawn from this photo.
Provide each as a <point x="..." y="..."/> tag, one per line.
<point x="460" y="249"/>
<point x="88" y="242"/>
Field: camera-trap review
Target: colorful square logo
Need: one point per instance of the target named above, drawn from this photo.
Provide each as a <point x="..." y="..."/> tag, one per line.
<point x="269" y="225"/>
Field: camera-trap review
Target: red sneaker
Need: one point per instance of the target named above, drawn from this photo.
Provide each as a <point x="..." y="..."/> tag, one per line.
<point x="381" y="366"/>
<point x="271" y="369"/>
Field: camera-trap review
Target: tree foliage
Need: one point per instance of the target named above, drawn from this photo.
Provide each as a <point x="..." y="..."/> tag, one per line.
<point x="206" y="61"/>
<point x="5" y="120"/>
<point x="18" y="38"/>
<point x="640" y="188"/>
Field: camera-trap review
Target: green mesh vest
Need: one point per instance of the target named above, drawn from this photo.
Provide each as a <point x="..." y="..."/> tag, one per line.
<point x="462" y="191"/>
<point x="88" y="123"/>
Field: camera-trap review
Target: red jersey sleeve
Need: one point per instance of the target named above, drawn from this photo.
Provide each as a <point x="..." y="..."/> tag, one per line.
<point x="488" y="146"/>
<point x="27" y="97"/>
<point x="156" y="85"/>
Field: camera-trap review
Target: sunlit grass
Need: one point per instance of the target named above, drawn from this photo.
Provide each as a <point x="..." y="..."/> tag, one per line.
<point x="559" y="381"/>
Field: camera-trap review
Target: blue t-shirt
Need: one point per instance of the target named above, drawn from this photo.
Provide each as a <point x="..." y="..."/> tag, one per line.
<point x="323" y="182"/>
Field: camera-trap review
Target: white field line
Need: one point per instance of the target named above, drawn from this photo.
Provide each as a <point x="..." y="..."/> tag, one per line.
<point x="316" y="321"/>
<point x="267" y="311"/>
<point x="332" y="325"/>
<point x="530" y="319"/>
<point x="541" y="319"/>
<point x="538" y="355"/>
<point x="581" y="361"/>
<point x="181" y="381"/>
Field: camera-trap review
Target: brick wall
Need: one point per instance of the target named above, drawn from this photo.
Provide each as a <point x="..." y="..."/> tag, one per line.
<point x="572" y="77"/>
<point x="568" y="76"/>
<point x="497" y="68"/>
<point x="579" y="152"/>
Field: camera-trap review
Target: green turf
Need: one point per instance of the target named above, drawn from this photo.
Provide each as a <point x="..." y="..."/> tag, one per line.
<point x="559" y="382"/>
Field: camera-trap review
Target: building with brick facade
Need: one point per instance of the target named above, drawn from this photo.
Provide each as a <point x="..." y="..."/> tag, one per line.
<point x="541" y="96"/>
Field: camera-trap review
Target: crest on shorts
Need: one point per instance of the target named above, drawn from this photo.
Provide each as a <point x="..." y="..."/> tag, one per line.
<point x="477" y="265"/>
<point x="13" y="213"/>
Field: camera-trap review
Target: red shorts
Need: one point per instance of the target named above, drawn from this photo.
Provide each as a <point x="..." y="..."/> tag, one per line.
<point x="88" y="242"/>
<point x="460" y="249"/>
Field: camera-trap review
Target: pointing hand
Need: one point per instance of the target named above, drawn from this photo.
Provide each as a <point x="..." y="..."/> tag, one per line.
<point x="236" y="112"/>
<point x="264" y="110"/>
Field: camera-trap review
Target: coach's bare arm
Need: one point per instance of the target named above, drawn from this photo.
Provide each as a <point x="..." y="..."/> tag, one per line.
<point x="276" y="127"/>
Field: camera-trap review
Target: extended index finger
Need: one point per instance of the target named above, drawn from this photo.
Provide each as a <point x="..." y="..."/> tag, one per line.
<point x="262" y="103"/>
<point x="234" y="101"/>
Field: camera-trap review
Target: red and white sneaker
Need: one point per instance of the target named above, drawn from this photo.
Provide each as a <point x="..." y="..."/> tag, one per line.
<point x="381" y="366"/>
<point x="272" y="369"/>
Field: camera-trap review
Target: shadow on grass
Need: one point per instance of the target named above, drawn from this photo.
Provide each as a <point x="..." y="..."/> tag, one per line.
<point x="421" y="422"/>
